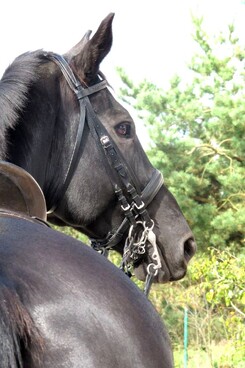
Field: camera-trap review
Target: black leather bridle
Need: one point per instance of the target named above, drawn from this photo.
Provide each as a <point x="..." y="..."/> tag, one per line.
<point x="137" y="226"/>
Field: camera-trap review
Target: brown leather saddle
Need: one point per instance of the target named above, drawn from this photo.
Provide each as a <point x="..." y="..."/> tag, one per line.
<point x="20" y="194"/>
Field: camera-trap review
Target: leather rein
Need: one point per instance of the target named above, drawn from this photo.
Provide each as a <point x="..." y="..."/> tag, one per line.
<point x="137" y="226"/>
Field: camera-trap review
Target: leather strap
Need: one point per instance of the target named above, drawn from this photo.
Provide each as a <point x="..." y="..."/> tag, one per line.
<point x="81" y="94"/>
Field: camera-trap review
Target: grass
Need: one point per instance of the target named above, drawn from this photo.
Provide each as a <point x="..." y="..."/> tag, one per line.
<point x="222" y="355"/>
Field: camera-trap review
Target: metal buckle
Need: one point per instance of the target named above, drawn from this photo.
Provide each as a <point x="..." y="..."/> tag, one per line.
<point x="139" y="207"/>
<point x="105" y="141"/>
<point x="125" y="208"/>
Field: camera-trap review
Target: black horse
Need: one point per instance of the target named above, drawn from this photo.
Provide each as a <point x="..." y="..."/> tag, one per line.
<point x="60" y="123"/>
<point x="61" y="303"/>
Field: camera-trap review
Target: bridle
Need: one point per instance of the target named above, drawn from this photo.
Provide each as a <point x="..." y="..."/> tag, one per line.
<point x="137" y="226"/>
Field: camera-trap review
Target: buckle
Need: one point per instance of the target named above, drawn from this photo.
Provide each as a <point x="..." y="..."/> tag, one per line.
<point x="125" y="207"/>
<point x="105" y="141"/>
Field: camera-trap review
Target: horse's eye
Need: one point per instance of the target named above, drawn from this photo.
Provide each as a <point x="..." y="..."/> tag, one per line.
<point x="123" y="129"/>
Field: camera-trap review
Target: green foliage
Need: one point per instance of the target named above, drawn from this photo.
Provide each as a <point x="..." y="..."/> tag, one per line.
<point x="71" y="232"/>
<point x="197" y="131"/>
<point x="214" y="293"/>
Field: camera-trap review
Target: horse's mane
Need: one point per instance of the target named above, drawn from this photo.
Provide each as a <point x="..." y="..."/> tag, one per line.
<point x="17" y="330"/>
<point x="14" y="87"/>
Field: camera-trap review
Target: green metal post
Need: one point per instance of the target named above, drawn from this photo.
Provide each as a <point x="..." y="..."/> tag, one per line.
<point x="185" y="337"/>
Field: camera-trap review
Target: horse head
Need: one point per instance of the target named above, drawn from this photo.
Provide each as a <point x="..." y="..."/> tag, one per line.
<point x="82" y="148"/>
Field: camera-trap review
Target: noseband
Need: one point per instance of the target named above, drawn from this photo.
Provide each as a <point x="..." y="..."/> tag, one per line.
<point x="137" y="226"/>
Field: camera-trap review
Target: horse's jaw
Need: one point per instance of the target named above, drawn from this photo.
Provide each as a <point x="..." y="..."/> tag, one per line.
<point x="162" y="276"/>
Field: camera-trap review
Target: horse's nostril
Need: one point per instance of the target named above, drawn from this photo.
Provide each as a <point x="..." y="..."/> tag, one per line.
<point x="189" y="249"/>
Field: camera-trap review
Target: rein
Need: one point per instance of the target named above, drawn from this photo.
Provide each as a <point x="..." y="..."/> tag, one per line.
<point x="137" y="223"/>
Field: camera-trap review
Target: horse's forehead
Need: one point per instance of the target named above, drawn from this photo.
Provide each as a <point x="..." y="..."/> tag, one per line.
<point x="106" y="104"/>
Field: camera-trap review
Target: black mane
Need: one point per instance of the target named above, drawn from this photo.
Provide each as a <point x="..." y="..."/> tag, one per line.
<point x="14" y="87"/>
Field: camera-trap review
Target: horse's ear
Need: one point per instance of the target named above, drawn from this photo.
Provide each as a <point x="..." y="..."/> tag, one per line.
<point x="77" y="49"/>
<point x="93" y="52"/>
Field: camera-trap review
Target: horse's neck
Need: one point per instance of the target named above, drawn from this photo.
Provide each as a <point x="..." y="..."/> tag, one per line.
<point x="29" y="144"/>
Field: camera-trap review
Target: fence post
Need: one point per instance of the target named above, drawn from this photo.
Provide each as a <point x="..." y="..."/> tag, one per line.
<point x="185" y="337"/>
